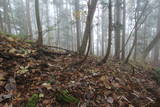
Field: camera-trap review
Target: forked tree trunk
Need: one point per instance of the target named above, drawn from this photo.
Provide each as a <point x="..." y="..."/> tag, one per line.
<point x="136" y="27"/>
<point x="91" y="10"/>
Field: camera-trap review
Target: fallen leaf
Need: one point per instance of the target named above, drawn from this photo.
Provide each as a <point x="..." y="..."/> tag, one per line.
<point x="130" y="105"/>
<point x="110" y="100"/>
<point x="150" y="99"/>
<point x="9" y="87"/>
<point x="4" y="97"/>
<point x="41" y="95"/>
<point x="105" y="81"/>
<point x="1" y="59"/>
<point x="104" y="78"/>
<point x="12" y="51"/>
<point x="8" y="105"/>
<point x="10" y="39"/>
<point x="47" y="85"/>
<point x="2" y="75"/>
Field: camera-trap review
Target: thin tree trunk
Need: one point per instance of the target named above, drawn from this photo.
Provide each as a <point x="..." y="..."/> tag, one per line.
<point x="117" y="29"/>
<point x="140" y="17"/>
<point x="39" y="26"/>
<point x="6" y="16"/>
<point x="97" y="41"/>
<point x="156" y="53"/>
<point x="47" y="21"/>
<point x="91" y="10"/>
<point x="24" y="19"/>
<point x="154" y="42"/>
<point x="157" y="47"/>
<point x="78" y="24"/>
<point x="98" y="30"/>
<point x="131" y="50"/>
<point x="1" y="23"/>
<point x="124" y="29"/>
<point x="29" y="19"/>
<point x="133" y="45"/>
<point x="136" y="30"/>
<point x="103" y="31"/>
<point x="145" y="35"/>
<point x="151" y="45"/>
<point x="92" y="43"/>
<point x="136" y="27"/>
<point x="12" y="18"/>
<point x="109" y="35"/>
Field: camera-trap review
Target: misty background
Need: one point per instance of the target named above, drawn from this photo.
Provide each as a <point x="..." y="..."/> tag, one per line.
<point x="59" y="19"/>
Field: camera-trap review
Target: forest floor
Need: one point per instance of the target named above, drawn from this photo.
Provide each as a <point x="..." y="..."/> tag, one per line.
<point x="31" y="77"/>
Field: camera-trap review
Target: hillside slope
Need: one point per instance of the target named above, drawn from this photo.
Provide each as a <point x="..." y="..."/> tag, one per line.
<point x="30" y="76"/>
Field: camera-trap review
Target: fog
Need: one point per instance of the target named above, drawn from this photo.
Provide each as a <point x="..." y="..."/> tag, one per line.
<point x="134" y="25"/>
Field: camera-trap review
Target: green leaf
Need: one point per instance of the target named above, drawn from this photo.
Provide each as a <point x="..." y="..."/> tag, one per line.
<point x="63" y="96"/>
<point x="33" y="100"/>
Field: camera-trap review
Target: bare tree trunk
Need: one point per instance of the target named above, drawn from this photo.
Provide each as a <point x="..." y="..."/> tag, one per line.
<point x="59" y="8"/>
<point x="91" y="10"/>
<point x="136" y="27"/>
<point x="97" y="41"/>
<point x="92" y="43"/>
<point x="109" y="34"/>
<point x="157" y="47"/>
<point x="98" y="30"/>
<point x="58" y="26"/>
<point x="47" y="21"/>
<point x="78" y="24"/>
<point x="12" y="18"/>
<point x="145" y="36"/>
<point x="154" y="42"/>
<point x="29" y="19"/>
<point x="88" y="47"/>
<point x="136" y="30"/>
<point x="24" y="18"/>
<point x="103" y="31"/>
<point x="135" y="41"/>
<point x="117" y="28"/>
<point x="124" y="29"/>
<point x="132" y="48"/>
<point x="156" y="53"/>
<point x="39" y="26"/>
<point x="151" y="45"/>
<point x="1" y="22"/>
<point x="6" y="16"/>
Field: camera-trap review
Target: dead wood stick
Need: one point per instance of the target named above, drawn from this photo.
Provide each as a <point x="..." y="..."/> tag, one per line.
<point x="55" y="47"/>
